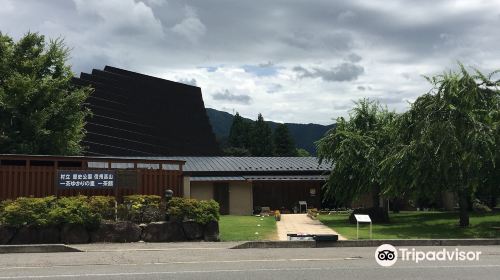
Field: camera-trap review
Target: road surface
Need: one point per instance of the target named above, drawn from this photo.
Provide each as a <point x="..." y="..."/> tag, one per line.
<point x="217" y="261"/>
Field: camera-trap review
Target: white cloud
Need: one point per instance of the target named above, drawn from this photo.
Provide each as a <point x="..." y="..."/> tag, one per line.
<point x="191" y="26"/>
<point x="223" y="45"/>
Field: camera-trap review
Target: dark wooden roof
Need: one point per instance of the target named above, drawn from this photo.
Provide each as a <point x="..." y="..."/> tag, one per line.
<point x="140" y="115"/>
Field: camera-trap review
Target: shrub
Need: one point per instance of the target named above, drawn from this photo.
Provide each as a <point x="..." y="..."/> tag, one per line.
<point x="3" y="204"/>
<point x="277" y="215"/>
<point x="201" y="211"/>
<point x="104" y="206"/>
<point x="27" y="211"/>
<point x="74" y="210"/>
<point x="142" y="199"/>
<point x="142" y="208"/>
<point x="312" y="213"/>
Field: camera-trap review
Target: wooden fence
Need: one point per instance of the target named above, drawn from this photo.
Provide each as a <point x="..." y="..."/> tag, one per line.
<point x="20" y="177"/>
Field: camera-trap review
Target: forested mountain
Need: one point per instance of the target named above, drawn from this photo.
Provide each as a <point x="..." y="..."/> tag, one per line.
<point x="304" y="135"/>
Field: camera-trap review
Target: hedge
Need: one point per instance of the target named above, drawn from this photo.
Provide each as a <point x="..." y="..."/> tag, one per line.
<point x="201" y="211"/>
<point x="90" y="211"/>
<point x="142" y="209"/>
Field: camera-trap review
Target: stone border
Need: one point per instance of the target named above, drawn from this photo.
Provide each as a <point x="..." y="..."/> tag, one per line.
<point x="367" y="243"/>
<point x="113" y="232"/>
<point x="38" y="248"/>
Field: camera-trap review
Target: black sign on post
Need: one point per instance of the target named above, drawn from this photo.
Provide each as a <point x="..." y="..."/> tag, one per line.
<point x="86" y="179"/>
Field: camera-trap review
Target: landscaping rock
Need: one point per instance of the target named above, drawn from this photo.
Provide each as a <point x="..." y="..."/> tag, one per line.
<point x="377" y="215"/>
<point x="163" y="232"/>
<point x="25" y="235"/>
<point x="49" y="235"/>
<point x="192" y="230"/>
<point x="116" y="232"/>
<point x="211" y="231"/>
<point x="74" y="234"/>
<point x="6" y="234"/>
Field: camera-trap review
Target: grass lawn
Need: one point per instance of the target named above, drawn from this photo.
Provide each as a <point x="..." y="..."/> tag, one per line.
<point x="238" y="228"/>
<point x="414" y="225"/>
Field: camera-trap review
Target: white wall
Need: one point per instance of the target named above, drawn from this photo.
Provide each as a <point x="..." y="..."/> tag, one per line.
<point x="240" y="198"/>
<point x="202" y="190"/>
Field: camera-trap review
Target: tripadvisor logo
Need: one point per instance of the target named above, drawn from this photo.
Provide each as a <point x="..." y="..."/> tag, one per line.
<point x="387" y="255"/>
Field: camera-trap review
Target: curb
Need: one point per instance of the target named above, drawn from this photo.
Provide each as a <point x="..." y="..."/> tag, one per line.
<point x="367" y="243"/>
<point x="38" y="248"/>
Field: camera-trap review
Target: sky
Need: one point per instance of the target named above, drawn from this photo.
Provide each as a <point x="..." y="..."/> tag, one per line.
<point x="293" y="61"/>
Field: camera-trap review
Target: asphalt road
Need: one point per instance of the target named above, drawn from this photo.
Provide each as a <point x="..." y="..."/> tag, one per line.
<point x="216" y="261"/>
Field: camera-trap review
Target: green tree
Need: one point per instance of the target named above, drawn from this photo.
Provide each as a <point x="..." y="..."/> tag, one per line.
<point x="261" y="138"/>
<point x="356" y="147"/>
<point x="236" y="152"/>
<point x="448" y="139"/>
<point x="239" y="132"/>
<point x="303" y="153"/>
<point x="41" y="112"/>
<point x="283" y="142"/>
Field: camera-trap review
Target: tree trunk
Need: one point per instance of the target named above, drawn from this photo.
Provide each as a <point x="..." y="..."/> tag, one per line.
<point x="376" y="196"/>
<point x="493" y="198"/>
<point x="463" y="203"/>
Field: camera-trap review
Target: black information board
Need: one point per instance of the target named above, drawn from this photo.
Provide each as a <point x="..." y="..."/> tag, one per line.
<point x="86" y="179"/>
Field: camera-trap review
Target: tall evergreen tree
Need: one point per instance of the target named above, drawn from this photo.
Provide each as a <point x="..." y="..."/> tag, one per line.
<point x="41" y="112"/>
<point x="239" y="133"/>
<point x="283" y="142"/>
<point x="261" y="138"/>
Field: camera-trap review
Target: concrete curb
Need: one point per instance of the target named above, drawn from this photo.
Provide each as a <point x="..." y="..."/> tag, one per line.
<point x="367" y="243"/>
<point x="36" y="248"/>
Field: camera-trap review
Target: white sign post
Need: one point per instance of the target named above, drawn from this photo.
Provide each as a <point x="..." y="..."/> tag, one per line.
<point x="362" y="219"/>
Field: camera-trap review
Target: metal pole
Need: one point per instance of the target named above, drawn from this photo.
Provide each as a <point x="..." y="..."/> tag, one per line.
<point x="357" y="230"/>
<point x="370" y="230"/>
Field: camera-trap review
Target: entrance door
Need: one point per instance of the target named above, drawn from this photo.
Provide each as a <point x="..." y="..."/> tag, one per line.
<point x="221" y="195"/>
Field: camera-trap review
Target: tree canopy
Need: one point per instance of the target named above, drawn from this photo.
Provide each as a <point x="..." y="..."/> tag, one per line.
<point x="356" y="147"/>
<point x="239" y="133"/>
<point x="261" y="138"/>
<point x="283" y="142"/>
<point x="41" y="112"/>
<point x="247" y="138"/>
<point x="448" y="140"/>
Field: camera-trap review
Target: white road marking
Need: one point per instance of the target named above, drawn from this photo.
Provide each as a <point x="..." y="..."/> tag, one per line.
<point x="183" y="262"/>
<point x="133" y="250"/>
<point x="224" y="270"/>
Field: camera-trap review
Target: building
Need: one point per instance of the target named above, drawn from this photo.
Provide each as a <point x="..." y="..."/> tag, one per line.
<point x="240" y="184"/>
<point x="37" y="175"/>
<point x="151" y="135"/>
<point x="140" y="115"/>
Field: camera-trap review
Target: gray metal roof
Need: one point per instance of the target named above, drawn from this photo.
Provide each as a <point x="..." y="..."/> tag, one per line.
<point x="251" y="164"/>
<point x="287" y="178"/>
<point x="216" y="178"/>
<point x="259" y="178"/>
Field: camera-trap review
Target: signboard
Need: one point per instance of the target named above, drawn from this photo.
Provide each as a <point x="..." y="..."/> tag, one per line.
<point x="86" y="179"/>
<point x="362" y="218"/>
<point x="128" y="179"/>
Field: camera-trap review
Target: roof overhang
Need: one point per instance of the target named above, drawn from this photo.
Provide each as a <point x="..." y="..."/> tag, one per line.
<point x="251" y="178"/>
<point x="216" y="179"/>
<point x="286" y="178"/>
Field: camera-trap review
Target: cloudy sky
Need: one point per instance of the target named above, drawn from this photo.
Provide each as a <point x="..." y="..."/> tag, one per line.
<point x="293" y="61"/>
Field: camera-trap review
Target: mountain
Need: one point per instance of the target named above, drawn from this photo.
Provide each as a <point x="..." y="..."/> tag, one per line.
<point x="304" y="135"/>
